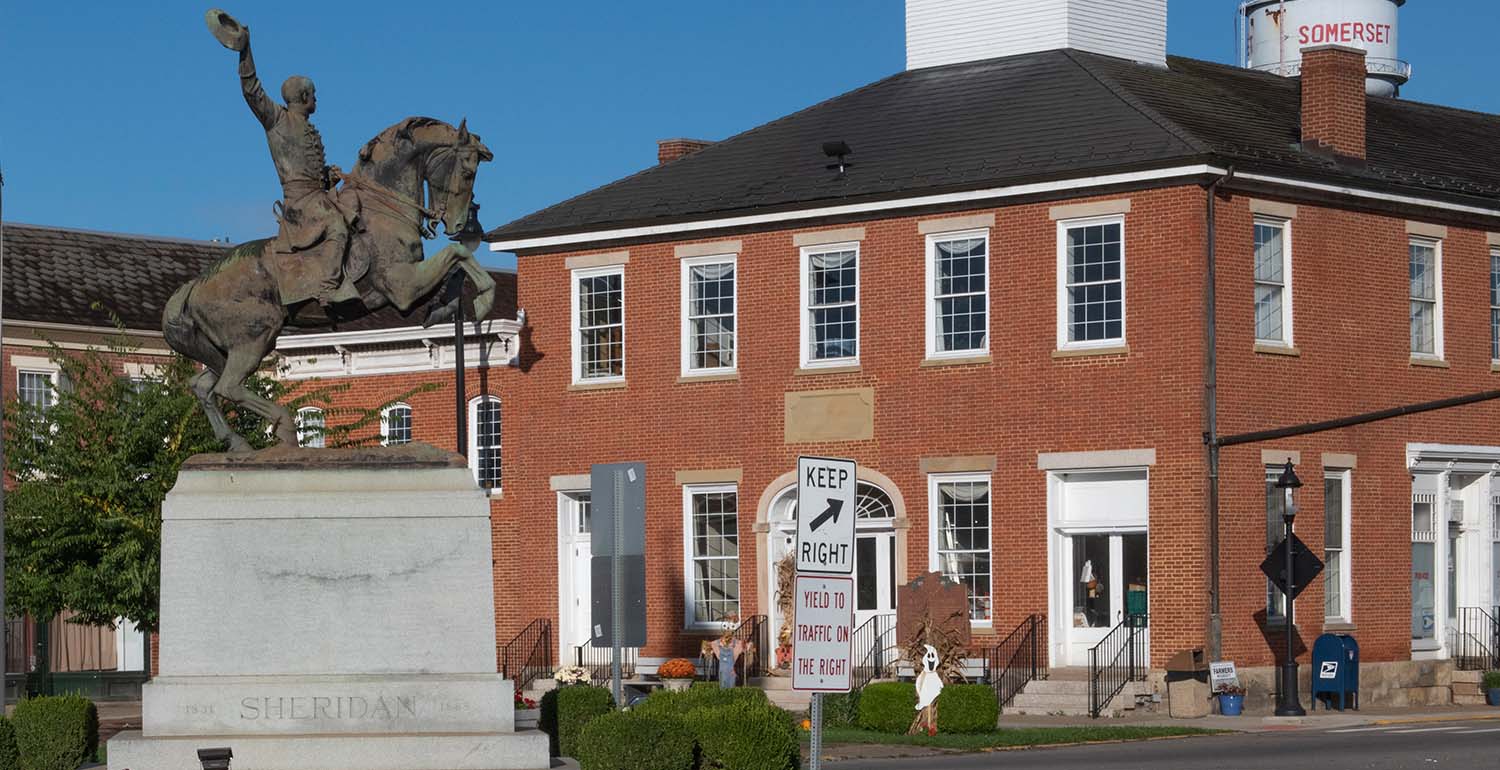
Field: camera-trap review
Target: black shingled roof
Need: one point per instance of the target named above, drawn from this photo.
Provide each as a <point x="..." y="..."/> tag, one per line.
<point x="56" y="275"/>
<point x="1034" y="117"/>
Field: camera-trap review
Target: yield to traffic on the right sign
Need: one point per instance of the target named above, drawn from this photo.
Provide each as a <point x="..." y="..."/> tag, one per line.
<point x="825" y="515"/>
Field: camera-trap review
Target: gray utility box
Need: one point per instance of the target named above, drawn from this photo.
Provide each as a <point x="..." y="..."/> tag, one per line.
<point x="1335" y="672"/>
<point x="1188" y="694"/>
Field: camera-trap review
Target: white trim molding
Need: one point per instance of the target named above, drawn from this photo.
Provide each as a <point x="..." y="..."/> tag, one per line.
<point x="689" y="582"/>
<point x="931" y="298"/>
<point x="685" y="336"/>
<point x="495" y="343"/>
<point x="575" y="334"/>
<point x="1064" y="342"/>
<point x="991" y="193"/>
<point x="1287" y="341"/>
<point x="804" y="307"/>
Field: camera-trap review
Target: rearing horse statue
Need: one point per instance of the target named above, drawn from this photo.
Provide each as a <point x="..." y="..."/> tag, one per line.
<point x="228" y="318"/>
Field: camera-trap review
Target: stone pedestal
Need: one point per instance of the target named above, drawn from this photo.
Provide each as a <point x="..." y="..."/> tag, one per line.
<point x="328" y="610"/>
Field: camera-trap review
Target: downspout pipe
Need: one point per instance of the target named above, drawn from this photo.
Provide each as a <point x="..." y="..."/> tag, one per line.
<point x="1215" y="631"/>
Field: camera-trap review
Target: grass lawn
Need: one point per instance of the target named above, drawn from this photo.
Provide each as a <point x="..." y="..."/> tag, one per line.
<point x="1010" y="738"/>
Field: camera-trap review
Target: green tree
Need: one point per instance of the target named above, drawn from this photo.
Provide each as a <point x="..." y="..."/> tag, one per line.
<point x="90" y="471"/>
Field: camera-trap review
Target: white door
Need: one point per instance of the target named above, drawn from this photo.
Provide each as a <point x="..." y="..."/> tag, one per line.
<point x="1106" y="579"/>
<point x="574" y="578"/>
<point x="874" y="575"/>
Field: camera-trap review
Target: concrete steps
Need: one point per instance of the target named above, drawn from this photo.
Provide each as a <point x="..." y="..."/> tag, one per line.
<point x="1066" y="693"/>
<point x="779" y="692"/>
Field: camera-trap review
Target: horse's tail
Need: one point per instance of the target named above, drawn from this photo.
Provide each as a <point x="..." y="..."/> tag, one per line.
<point x="182" y="332"/>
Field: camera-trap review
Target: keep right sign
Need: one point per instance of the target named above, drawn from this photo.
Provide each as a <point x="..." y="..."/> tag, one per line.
<point x="825" y="515"/>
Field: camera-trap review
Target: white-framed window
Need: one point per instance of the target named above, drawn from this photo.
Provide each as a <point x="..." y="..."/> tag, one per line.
<point x="1091" y="282"/>
<point x="959" y="540"/>
<point x="1337" y="583"/>
<point x="1275" y="531"/>
<point x="37" y="388"/>
<point x="712" y="548"/>
<point x="1424" y="566"/>
<point x="1426" y="274"/>
<point x="709" y="307"/>
<point x="310" y="427"/>
<point x="958" y="299"/>
<point x="395" y="425"/>
<point x="830" y="305"/>
<point x="484" y="441"/>
<point x="599" y="324"/>
<point x="1273" y="281"/>
<point x="1495" y="311"/>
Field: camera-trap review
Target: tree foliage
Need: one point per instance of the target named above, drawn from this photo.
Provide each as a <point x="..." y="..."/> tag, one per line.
<point x="83" y="516"/>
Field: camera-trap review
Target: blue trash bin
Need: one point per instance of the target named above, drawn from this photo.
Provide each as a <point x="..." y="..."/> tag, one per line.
<point x="1335" y="672"/>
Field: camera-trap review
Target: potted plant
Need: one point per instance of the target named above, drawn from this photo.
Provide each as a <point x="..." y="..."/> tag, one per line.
<point x="1492" y="688"/>
<point x="677" y="673"/>
<point x="571" y="675"/>
<point x="1231" y="700"/>
<point x="527" y="713"/>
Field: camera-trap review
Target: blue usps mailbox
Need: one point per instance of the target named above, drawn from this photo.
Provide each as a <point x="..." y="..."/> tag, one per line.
<point x="1335" y="672"/>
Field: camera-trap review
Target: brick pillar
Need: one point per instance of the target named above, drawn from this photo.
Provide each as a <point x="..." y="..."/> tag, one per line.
<point x="1333" y="100"/>
<point x="668" y="150"/>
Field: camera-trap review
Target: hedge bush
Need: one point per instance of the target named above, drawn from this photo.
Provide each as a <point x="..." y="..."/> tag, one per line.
<point x="1491" y="680"/>
<point x="967" y="708"/>
<point x="56" y="733"/>
<point x="631" y="740"/>
<point x="566" y="710"/>
<point x="10" y="755"/>
<point x="678" y="703"/>
<point x="841" y="709"/>
<point x="744" y="736"/>
<point x="887" y="707"/>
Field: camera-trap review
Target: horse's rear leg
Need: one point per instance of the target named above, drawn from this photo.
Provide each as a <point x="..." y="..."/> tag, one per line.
<point x="203" y="388"/>
<point x="241" y="363"/>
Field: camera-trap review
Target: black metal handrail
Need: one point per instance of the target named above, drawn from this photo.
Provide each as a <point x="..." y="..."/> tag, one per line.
<point x="874" y="650"/>
<point x="1118" y="659"/>
<point x="528" y="656"/>
<point x="753" y="631"/>
<point x="1018" y="659"/>
<point x="1476" y="639"/>
<point x="599" y="661"/>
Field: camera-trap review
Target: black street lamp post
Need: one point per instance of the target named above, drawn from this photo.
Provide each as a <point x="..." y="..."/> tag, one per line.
<point x="471" y="236"/>
<point x="1289" y="704"/>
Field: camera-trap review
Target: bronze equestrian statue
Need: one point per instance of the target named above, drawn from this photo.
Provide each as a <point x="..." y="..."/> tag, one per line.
<point x="341" y="253"/>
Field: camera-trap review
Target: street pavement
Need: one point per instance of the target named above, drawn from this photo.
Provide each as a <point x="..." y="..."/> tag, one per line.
<point x="1392" y="746"/>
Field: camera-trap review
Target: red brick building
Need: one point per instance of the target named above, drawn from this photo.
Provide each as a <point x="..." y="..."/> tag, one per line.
<point x="1021" y="290"/>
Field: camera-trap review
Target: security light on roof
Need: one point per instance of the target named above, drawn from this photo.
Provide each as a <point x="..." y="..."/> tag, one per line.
<point x="837" y="150"/>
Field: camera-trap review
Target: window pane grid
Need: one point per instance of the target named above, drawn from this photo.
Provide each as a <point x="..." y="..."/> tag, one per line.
<point x="35" y="390"/>
<point x="1333" y="547"/>
<point x="1495" y="308"/>
<point x="601" y="326"/>
<point x="310" y="427"/>
<point x="963" y="541"/>
<point x="715" y="544"/>
<point x="960" y="294"/>
<point x="487" y="443"/>
<point x="398" y="425"/>
<point x="1423" y="279"/>
<point x="1275" y="529"/>
<point x="1270" y="282"/>
<point x="1095" y="283"/>
<point x="833" y="291"/>
<point x="711" y="298"/>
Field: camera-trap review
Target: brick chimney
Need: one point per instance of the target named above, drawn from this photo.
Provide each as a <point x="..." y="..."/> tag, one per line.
<point x="668" y="150"/>
<point x="1333" y="100"/>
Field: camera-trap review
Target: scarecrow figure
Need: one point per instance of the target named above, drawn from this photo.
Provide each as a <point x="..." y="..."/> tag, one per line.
<point x="929" y="686"/>
<point x="727" y="650"/>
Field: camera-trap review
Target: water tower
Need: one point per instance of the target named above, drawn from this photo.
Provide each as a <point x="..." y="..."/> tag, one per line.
<point x="1274" y="32"/>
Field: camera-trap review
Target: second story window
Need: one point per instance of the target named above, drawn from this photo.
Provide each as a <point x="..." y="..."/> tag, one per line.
<point x="708" y="315"/>
<point x="958" y="294"/>
<point x="1273" y="282"/>
<point x="830" y="305"/>
<point x="310" y="427"/>
<point x="395" y="425"/>
<point x="1091" y="284"/>
<point x="599" y="324"/>
<point x="484" y="441"/>
<point x="1495" y="323"/>
<point x="35" y="389"/>
<point x="1426" y="299"/>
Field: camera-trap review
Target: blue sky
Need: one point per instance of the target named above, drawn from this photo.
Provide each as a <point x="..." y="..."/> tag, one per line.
<point x="127" y="117"/>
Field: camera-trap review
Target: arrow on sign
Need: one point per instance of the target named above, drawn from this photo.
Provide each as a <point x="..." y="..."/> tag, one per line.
<point x="832" y="512"/>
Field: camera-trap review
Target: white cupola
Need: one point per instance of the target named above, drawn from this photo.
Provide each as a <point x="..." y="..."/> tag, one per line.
<point x="950" y="31"/>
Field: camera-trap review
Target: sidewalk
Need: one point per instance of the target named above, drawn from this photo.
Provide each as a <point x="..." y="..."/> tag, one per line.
<point x="1315" y="720"/>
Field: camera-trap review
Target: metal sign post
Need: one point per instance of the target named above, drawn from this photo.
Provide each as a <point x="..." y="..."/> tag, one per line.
<point x="618" y="567"/>
<point x="824" y="591"/>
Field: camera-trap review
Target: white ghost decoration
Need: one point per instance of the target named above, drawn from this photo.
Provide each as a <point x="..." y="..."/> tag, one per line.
<point x="929" y="684"/>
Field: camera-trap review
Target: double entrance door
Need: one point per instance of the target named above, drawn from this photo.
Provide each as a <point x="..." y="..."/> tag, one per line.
<point x="1105" y="579"/>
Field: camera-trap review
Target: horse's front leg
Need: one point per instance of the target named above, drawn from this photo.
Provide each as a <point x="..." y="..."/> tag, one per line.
<point x="408" y="283"/>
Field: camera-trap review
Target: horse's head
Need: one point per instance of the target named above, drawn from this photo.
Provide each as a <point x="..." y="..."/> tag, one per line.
<point x="450" y="175"/>
<point x="420" y="152"/>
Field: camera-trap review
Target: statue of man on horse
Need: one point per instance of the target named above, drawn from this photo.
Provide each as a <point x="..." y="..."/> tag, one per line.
<point x="339" y="254"/>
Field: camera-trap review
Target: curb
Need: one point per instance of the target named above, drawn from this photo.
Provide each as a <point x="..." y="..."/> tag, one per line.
<point x="1439" y="718"/>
